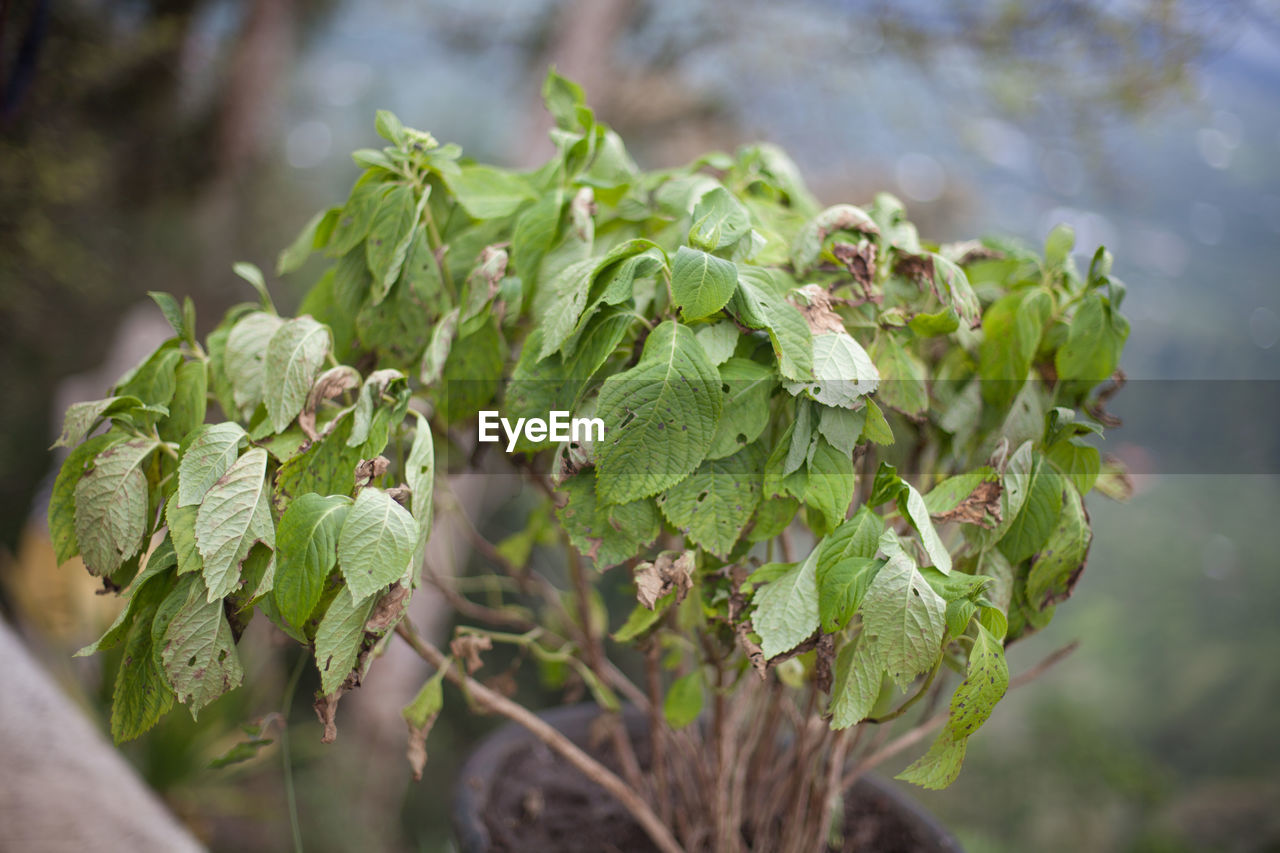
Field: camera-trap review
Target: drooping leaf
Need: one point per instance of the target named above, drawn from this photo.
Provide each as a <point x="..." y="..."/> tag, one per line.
<point x="208" y="453"/>
<point x="607" y="534"/>
<point x="81" y="418"/>
<point x="62" y="499"/>
<point x="111" y="505"/>
<point x="294" y="356"/>
<point x="858" y="676"/>
<point x="339" y="638"/>
<point x="830" y="483"/>
<point x="1058" y="564"/>
<point x="199" y="653"/>
<point x="904" y="616"/>
<point x="246" y="356"/>
<point x="841" y="588"/>
<point x="376" y="542"/>
<point x="985" y="683"/>
<point x="713" y="504"/>
<point x="1035" y="521"/>
<point x="1011" y="330"/>
<point x="190" y="399"/>
<point x="306" y="551"/>
<point x="390" y="235"/>
<point x="660" y="417"/>
<point x="786" y="611"/>
<point x="759" y="304"/>
<point x="141" y="695"/>
<point x="233" y="516"/>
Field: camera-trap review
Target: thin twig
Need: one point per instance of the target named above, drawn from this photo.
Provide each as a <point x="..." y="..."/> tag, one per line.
<point x="539" y="728"/>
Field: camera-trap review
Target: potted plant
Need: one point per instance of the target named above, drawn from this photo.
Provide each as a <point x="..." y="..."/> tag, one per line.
<point x="839" y="468"/>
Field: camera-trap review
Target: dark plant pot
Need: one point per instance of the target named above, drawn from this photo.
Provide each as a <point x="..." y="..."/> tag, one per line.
<point x="535" y="801"/>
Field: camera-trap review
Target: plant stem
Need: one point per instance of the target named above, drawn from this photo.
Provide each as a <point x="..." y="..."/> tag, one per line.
<point x="285" y="704"/>
<point x="539" y="728"/>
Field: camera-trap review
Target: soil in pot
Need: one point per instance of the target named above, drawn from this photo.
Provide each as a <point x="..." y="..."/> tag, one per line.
<point x="515" y="794"/>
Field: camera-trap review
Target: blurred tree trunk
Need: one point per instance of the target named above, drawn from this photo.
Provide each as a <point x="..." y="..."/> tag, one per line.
<point x="63" y="787"/>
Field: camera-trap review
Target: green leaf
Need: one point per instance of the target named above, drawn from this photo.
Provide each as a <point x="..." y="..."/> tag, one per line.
<point x="570" y="289"/>
<point x="841" y="588"/>
<point x="1011" y="330"/>
<point x="419" y="475"/>
<point x="182" y="530"/>
<point x="141" y="696"/>
<point x="1035" y="520"/>
<point x="1059" y="563"/>
<point x="889" y="486"/>
<point x="207" y="454"/>
<point x="327" y="467"/>
<point x="606" y="534"/>
<point x="1058" y="245"/>
<point x="153" y="382"/>
<point x="660" y="417"/>
<point x="62" y="500"/>
<point x="951" y="492"/>
<point x="902" y="377"/>
<point x="232" y="517"/>
<point x="306" y="551"/>
<point x="1094" y="342"/>
<point x="198" y="652"/>
<point x="253" y="275"/>
<point x="82" y="417"/>
<point x="719" y="221"/>
<point x="985" y="683"/>
<point x="905" y="616"/>
<point x="843" y="373"/>
<point x="111" y="506"/>
<point x="437" y="353"/>
<point x="140" y="595"/>
<point x="369" y="403"/>
<point x="294" y="356"/>
<point x="842" y="427"/>
<point x="683" y="702"/>
<point x="718" y="340"/>
<point x="701" y="284"/>
<point x="390" y="235"/>
<point x="857" y="537"/>
<point x="190" y="398"/>
<point x="747" y="387"/>
<point x="246" y="355"/>
<point x="876" y="429"/>
<point x="489" y="193"/>
<point x="858" y="676"/>
<point x="357" y="216"/>
<point x="377" y="541"/>
<point x="173" y="313"/>
<point x="786" y="611"/>
<point x="297" y="252"/>
<point x="562" y="97"/>
<point x="713" y="504"/>
<point x="829" y="488"/>
<point x="759" y="304"/>
<point x="339" y="638"/>
<point x="389" y="127"/>
<point x="642" y="619"/>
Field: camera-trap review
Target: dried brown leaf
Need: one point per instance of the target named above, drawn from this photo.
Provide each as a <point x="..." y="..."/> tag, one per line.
<point x="859" y="260"/>
<point x="671" y="571"/>
<point x="816" y="308"/>
<point x="467" y="648"/>
<point x="326" y="708"/>
<point x="981" y="507"/>
<point x="370" y="469"/>
<point x="328" y="385"/>
<point x="389" y="609"/>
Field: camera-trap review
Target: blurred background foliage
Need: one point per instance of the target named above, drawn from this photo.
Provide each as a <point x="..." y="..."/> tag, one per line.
<point x="148" y="144"/>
